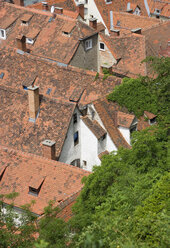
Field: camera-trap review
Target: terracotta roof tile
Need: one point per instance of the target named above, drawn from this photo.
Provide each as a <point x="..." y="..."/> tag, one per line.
<point x="32" y="34"/>
<point x="7" y="21"/>
<point x="107" y="112"/>
<point x="102" y="154"/>
<point x="124" y="120"/>
<point x="94" y="126"/>
<point x="149" y="115"/>
<point x="26" y="17"/>
<point x="61" y="184"/>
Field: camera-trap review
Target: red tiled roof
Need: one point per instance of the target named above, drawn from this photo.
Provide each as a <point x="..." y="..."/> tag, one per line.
<point x="66" y="4"/>
<point x="65" y="83"/>
<point x="149" y="115"/>
<point x="163" y="6"/>
<point x="107" y="112"/>
<point x="18" y="132"/>
<point x="102" y="154"/>
<point x="124" y="120"/>
<point x="50" y="43"/>
<point x="94" y="126"/>
<point x="61" y="181"/>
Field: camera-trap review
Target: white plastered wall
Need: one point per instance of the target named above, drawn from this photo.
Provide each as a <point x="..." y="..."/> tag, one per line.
<point x="126" y="133"/>
<point x="70" y="152"/>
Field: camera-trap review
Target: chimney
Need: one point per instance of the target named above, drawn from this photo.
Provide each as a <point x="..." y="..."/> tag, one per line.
<point x="115" y="32"/>
<point x="80" y="9"/>
<point x="136" y="31"/>
<point x="34" y="101"/>
<point x="58" y="10"/>
<point x="49" y="149"/>
<point x="19" y="2"/>
<point x="45" y="6"/>
<point x="21" y="43"/>
<point x="93" y="23"/>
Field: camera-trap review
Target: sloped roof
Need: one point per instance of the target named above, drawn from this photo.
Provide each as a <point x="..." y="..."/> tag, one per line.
<point x="163" y="6"/>
<point x="60" y="83"/>
<point x="107" y="112"/>
<point x="94" y="126"/>
<point x="124" y="119"/>
<point x="66" y="4"/>
<point x="149" y="115"/>
<point x="50" y="43"/>
<point x="61" y="181"/>
<point x="18" y="132"/>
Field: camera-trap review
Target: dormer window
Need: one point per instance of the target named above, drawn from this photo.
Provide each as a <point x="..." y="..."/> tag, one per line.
<point x="25" y="19"/>
<point x="2" y="34"/>
<point x="35" y="186"/>
<point x="108" y="1"/>
<point x="29" y="41"/>
<point x="152" y="121"/>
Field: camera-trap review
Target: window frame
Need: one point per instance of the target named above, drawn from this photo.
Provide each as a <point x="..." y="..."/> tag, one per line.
<point x="100" y="46"/>
<point x="3" y="37"/>
<point x="88" y="44"/>
<point x="76" y="139"/>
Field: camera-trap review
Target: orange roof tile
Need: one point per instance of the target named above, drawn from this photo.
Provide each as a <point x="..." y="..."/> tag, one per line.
<point x="102" y="154"/>
<point x="26" y="17"/>
<point x="149" y="115"/>
<point x="124" y="120"/>
<point x="62" y="182"/>
<point x="107" y="112"/>
<point x="94" y="126"/>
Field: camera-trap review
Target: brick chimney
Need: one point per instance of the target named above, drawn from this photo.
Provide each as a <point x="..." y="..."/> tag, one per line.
<point x="58" y="10"/>
<point x="93" y="23"/>
<point x="45" y="6"/>
<point x="136" y="31"/>
<point x="21" y="43"/>
<point x="34" y="101"/>
<point x="49" y="149"/>
<point x="115" y="32"/>
<point x="80" y="9"/>
<point x="19" y="2"/>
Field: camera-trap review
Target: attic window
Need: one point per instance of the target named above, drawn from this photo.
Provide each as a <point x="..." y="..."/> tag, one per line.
<point x="152" y="121"/>
<point x="2" y="34"/>
<point x="108" y="1"/>
<point x="102" y="46"/>
<point x="118" y="23"/>
<point x="88" y="44"/>
<point x="35" y="188"/>
<point x="66" y="33"/>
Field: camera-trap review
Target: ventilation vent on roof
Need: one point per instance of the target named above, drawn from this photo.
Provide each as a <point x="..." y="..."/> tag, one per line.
<point x="34" y="187"/>
<point x="1" y="75"/>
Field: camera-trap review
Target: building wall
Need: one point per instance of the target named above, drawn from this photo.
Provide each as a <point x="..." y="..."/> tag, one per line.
<point x="105" y="57"/>
<point x="87" y="59"/>
<point x="126" y="133"/>
<point x="70" y="152"/>
<point x="89" y="148"/>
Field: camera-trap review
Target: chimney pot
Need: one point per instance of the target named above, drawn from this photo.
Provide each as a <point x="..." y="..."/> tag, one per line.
<point x="80" y="9"/>
<point x="58" y="10"/>
<point x="93" y="23"/>
<point x="49" y="149"/>
<point x="34" y="101"/>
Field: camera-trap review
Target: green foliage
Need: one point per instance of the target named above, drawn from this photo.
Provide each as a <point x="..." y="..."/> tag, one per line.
<point x="134" y="94"/>
<point x="52" y="230"/>
<point x="96" y="77"/>
<point x="144" y="93"/>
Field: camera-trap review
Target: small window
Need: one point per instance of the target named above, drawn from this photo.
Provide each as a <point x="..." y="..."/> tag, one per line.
<point x="88" y="44"/>
<point x="84" y="163"/>
<point x="2" y="34"/>
<point x="103" y="137"/>
<point x="76" y="162"/>
<point x="33" y="191"/>
<point x="75" y="118"/>
<point x="76" y="138"/>
<point x="152" y="121"/>
<point x="102" y="46"/>
<point x="134" y="128"/>
<point x="108" y="1"/>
